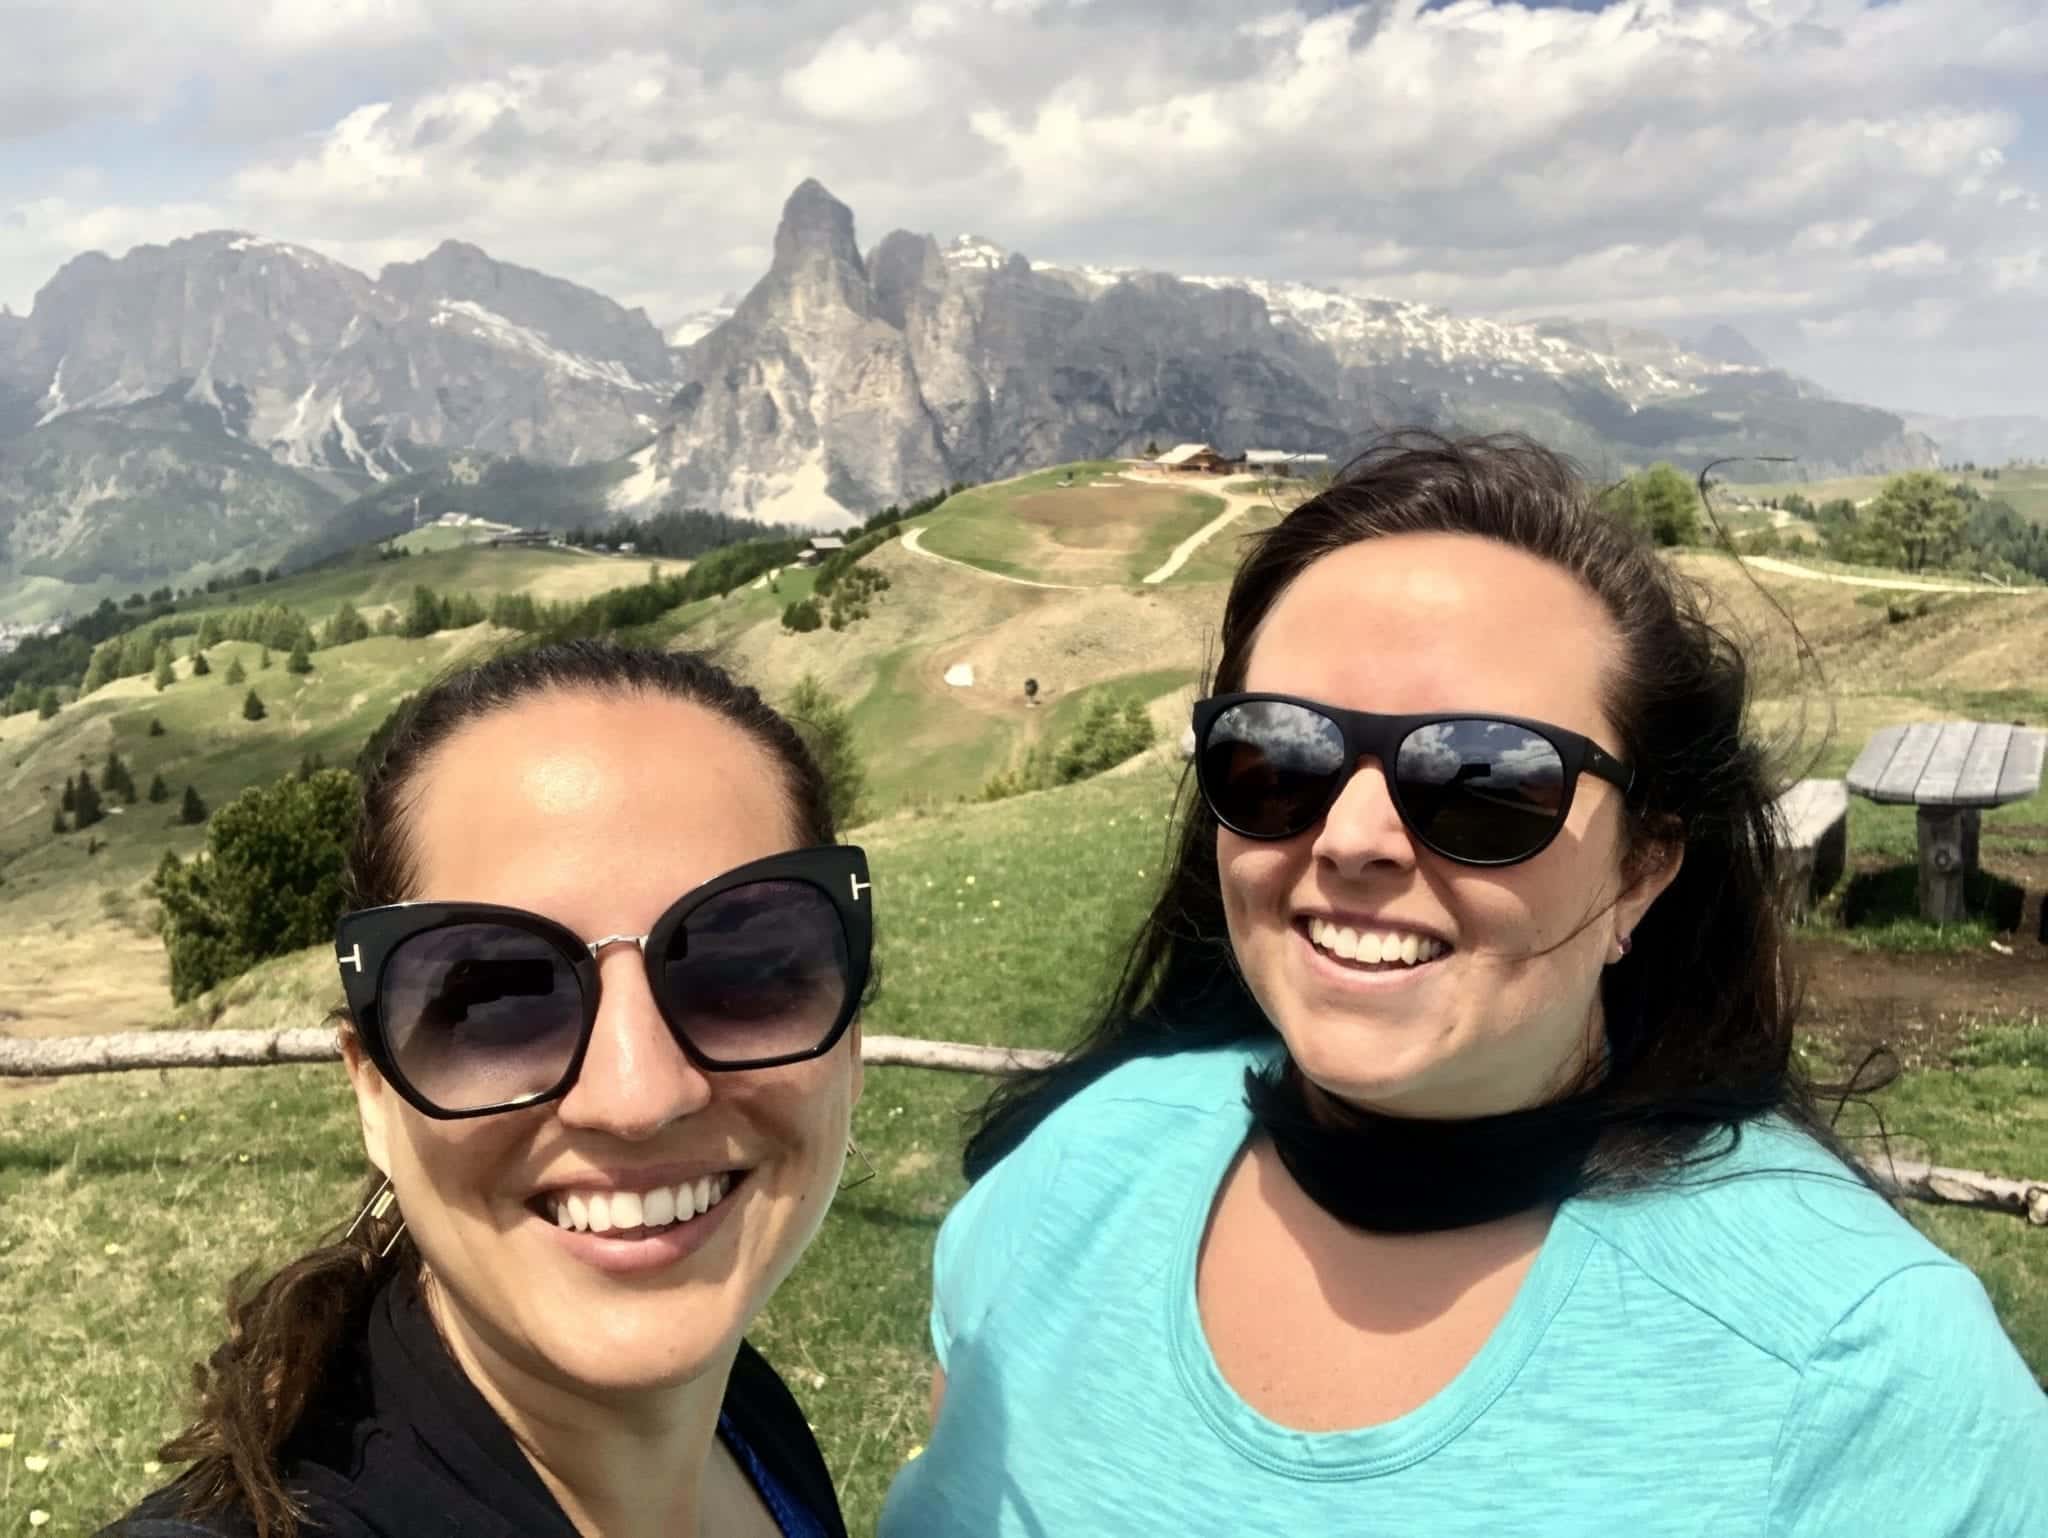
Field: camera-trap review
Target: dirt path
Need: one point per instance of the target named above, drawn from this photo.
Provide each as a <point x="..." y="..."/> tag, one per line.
<point x="913" y="541"/>
<point x="1235" y="506"/>
<point x="1780" y="568"/>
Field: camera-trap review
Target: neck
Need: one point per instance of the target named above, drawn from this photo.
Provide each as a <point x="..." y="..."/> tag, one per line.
<point x="630" y="1465"/>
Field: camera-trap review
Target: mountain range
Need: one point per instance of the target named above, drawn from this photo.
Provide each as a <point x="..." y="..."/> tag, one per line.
<point x="226" y="399"/>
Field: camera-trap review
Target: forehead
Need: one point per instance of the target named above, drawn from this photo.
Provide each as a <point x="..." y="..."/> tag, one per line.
<point x="590" y="807"/>
<point x="1413" y="623"/>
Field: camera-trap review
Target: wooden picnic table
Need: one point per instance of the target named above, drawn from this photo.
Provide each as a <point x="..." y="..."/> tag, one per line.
<point x="1949" y="771"/>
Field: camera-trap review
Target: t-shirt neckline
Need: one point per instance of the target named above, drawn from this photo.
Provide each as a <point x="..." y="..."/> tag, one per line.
<point x="1365" y="1452"/>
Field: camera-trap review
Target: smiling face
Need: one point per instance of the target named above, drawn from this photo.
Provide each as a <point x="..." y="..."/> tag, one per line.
<point x="599" y="811"/>
<point x="1335" y="928"/>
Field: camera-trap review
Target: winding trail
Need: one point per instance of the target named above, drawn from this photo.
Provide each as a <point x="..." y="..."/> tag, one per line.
<point x="1780" y="568"/>
<point x="913" y="541"/>
<point x="1235" y="506"/>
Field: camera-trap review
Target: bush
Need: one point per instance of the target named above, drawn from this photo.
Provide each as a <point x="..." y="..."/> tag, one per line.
<point x="156" y="727"/>
<point x="46" y="704"/>
<point x="57" y="823"/>
<point x="825" y="728"/>
<point x="269" y="883"/>
<point x="346" y="626"/>
<point x="252" y="707"/>
<point x="85" y="803"/>
<point x="1110" y="731"/>
<point x="801" y="616"/>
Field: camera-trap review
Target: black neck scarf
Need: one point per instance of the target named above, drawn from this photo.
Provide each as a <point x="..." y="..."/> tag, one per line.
<point x="1410" y="1175"/>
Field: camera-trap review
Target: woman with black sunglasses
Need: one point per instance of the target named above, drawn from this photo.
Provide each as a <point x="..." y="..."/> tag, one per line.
<point x="602" y="975"/>
<point x="1441" y="1163"/>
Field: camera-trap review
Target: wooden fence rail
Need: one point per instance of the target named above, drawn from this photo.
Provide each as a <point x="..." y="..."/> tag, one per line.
<point x="59" y="1056"/>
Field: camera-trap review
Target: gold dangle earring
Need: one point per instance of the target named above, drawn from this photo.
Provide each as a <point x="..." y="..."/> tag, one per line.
<point x="853" y="1151"/>
<point x="373" y="1212"/>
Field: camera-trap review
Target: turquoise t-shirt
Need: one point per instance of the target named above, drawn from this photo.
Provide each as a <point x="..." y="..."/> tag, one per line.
<point x="1775" y="1356"/>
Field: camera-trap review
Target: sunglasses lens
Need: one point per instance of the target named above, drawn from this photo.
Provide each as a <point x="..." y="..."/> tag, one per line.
<point x="1486" y="791"/>
<point x="480" y="1014"/>
<point x="1269" y="768"/>
<point x="759" y="971"/>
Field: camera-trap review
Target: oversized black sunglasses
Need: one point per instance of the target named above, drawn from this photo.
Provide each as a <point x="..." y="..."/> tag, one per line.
<point x="1476" y="788"/>
<point x="471" y="1008"/>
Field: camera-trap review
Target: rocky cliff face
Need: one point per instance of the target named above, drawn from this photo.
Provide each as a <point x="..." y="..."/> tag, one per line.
<point x="876" y="380"/>
<point x="145" y="401"/>
<point x="331" y="371"/>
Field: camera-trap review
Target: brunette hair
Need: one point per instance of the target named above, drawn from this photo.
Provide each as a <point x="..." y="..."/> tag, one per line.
<point x="286" y="1330"/>
<point x="1700" y="1012"/>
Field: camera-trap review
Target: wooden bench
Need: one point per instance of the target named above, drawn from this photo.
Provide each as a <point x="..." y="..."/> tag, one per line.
<point x="1950" y="771"/>
<point x="1813" y="822"/>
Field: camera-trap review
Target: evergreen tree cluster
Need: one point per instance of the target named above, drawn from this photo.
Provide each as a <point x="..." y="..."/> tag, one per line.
<point x="1111" y="730"/>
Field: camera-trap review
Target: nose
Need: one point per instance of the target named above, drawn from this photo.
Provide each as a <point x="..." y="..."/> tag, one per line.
<point x="1362" y="828"/>
<point x="636" y="1078"/>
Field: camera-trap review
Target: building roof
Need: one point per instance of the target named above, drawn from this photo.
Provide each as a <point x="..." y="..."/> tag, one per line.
<point x="1181" y="453"/>
<point x="1283" y="457"/>
<point x="827" y="542"/>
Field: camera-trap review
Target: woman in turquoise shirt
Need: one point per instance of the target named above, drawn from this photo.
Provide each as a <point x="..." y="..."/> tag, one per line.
<point x="1441" y="1163"/>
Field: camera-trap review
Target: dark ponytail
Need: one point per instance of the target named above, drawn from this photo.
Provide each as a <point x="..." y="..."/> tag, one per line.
<point x="286" y="1331"/>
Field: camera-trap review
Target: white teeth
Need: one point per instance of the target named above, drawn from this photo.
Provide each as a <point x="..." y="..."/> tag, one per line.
<point x="1371" y="948"/>
<point x="601" y="1213"/>
<point x="659" y="1210"/>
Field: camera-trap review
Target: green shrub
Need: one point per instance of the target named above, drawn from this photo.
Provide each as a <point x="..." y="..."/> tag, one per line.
<point x="298" y="661"/>
<point x="158" y="790"/>
<point x="46" y="704"/>
<point x="192" y="810"/>
<point x="270" y="881"/>
<point x="252" y="707"/>
<point x="236" y="673"/>
<point x="1110" y="731"/>
<point x="801" y="616"/>
<point x="200" y="666"/>
<point x="825" y="728"/>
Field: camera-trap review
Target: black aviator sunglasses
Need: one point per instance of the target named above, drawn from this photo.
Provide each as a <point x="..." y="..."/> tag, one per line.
<point x="1475" y="788"/>
<point x="472" y="1008"/>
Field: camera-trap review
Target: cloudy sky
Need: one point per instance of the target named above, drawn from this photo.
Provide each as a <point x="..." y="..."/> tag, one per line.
<point x="1858" y="185"/>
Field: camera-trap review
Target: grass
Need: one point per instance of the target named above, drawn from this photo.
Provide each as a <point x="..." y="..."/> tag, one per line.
<point x="1077" y="524"/>
<point x="193" y="1175"/>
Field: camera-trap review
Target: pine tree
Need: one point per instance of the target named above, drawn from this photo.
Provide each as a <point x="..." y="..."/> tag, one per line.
<point x="263" y="660"/>
<point x="88" y="802"/>
<point x="57" y="822"/>
<point x="46" y="704"/>
<point x="69" y="800"/>
<point x="252" y="707"/>
<point x="298" y="661"/>
<point x="116" y="779"/>
<point x="164" y="676"/>
<point x="828" y="733"/>
<point x="156" y="727"/>
<point x="192" y="810"/>
<point x="236" y="673"/>
<point x="200" y="666"/>
<point x="158" y="790"/>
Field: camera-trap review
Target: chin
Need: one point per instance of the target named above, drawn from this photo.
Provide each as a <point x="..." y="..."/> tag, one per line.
<point x="1360" y="1066"/>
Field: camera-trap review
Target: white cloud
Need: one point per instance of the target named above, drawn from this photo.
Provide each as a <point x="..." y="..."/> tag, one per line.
<point x="1843" y="177"/>
<point x="850" y="80"/>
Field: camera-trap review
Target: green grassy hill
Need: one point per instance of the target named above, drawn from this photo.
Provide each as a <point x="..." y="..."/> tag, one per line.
<point x="2026" y="488"/>
<point x="998" y="924"/>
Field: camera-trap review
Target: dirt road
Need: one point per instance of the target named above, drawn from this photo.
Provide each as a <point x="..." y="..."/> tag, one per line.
<point x="913" y="541"/>
<point x="1780" y="568"/>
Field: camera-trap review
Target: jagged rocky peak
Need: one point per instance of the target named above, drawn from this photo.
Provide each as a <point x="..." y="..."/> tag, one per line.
<point x="899" y="269"/>
<point x="817" y="260"/>
<point x="462" y="282"/>
<point x="972" y="250"/>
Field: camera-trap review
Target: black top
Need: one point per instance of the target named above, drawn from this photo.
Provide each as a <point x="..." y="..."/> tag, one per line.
<point x="399" y="1444"/>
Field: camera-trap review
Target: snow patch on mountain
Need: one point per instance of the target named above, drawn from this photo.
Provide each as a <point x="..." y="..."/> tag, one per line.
<point x="796" y="496"/>
<point x="491" y="327"/>
<point x="699" y="324"/>
<point x="974" y="251"/>
<point x="649" y="481"/>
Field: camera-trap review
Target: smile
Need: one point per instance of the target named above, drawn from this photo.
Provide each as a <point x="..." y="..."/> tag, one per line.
<point x="1373" y="948"/>
<point x="635" y="1214"/>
